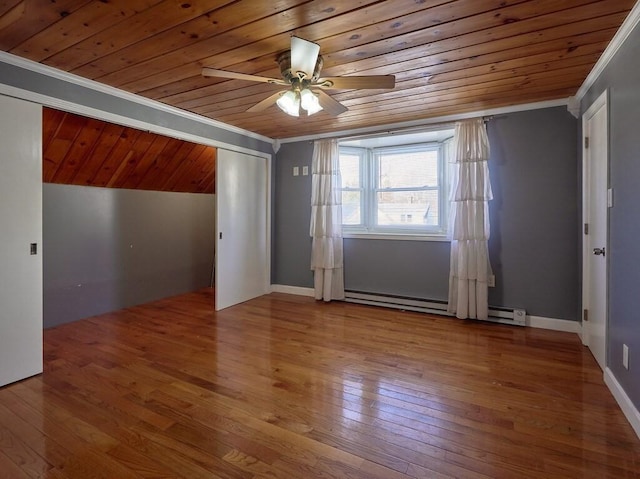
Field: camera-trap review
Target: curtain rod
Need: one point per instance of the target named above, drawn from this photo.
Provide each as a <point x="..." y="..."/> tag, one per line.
<point x="414" y="129"/>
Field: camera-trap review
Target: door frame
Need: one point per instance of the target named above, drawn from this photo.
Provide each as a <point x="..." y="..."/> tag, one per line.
<point x="600" y="102"/>
<point x="206" y="125"/>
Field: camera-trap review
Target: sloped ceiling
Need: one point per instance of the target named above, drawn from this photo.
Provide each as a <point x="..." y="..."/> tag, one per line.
<point x="83" y="151"/>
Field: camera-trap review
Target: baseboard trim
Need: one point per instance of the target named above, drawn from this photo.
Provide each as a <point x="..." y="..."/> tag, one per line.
<point x="300" y="291"/>
<point x="531" y="321"/>
<point x="565" y="325"/>
<point x="629" y="410"/>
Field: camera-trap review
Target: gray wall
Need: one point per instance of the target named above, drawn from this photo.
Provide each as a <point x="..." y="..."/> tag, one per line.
<point x="534" y="233"/>
<point x="622" y="79"/>
<point x="106" y="249"/>
<point x="38" y="83"/>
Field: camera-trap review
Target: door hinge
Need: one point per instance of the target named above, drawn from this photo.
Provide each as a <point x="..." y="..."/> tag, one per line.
<point x="586" y="142"/>
<point x="586" y="228"/>
<point x="585" y="315"/>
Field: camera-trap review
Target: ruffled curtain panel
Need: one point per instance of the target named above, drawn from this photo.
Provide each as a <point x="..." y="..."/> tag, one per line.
<point x="469" y="222"/>
<point x="326" y="221"/>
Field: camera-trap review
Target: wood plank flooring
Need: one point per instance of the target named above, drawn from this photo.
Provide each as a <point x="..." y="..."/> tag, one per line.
<point x="284" y="387"/>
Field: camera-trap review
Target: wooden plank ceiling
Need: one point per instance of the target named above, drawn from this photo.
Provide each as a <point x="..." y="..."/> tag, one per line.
<point x="88" y="152"/>
<point x="448" y="56"/>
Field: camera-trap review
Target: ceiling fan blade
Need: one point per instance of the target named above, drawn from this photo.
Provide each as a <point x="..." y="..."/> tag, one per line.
<point x="370" y="82"/>
<point x="212" y="72"/>
<point x="331" y="106"/>
<point x="304" y="55"/>
<point x="266" y="103"/>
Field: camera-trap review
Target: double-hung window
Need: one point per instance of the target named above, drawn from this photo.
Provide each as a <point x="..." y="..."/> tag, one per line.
<point x="395" y="190"/>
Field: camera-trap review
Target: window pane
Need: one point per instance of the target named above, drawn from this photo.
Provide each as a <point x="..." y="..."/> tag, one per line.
<point x="351" y="208"/>
<point x="350" y="170"/>
<point x="407" y="208"/>
<point x="408" y="169"/>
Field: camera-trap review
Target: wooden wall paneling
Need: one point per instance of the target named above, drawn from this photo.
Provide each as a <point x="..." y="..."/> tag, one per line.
<point x="81" y="150"/>
<point x="56" y="150"/>
<point x="110" y="136"/>
<point x="140" y="168"/>
<point x="183" y="167"/>
<point x="111" y="163"/>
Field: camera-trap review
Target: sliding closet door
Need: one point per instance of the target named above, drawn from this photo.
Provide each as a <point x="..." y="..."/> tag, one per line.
<point x="242" y="259"/>
<point x="20" y="239"/>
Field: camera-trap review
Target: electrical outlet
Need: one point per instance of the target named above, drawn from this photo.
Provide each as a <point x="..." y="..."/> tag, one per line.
<point x="491" y="282"/>
<point x="625" y="356"/>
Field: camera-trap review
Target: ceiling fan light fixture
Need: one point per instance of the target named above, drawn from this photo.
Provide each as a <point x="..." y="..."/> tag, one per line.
<point x="289" y="103"/>
<point x="309" y="101"/>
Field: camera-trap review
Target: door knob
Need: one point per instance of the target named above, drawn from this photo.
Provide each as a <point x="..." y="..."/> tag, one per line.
<point x="598" y="251"/>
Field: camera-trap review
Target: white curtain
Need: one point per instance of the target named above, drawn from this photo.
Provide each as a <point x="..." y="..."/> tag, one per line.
<point x="326" y="221"/>
<point x="469" y="221"/>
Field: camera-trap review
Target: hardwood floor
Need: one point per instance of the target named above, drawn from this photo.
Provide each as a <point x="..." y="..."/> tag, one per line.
<point x="285" y="387"/>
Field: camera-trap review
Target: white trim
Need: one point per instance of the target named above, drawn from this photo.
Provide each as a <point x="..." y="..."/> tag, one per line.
<point x="618" y="39"/>
<point x="554" y="324"/>
<point x="395" y="236"/>
<point x="600" y="102"/>
<point x="112" y="91"/>
<point x="631" y="413"/>
<point x="297" y="290"/>
<point x="565" y="325"/>
<point x="432" y="121"/>
<point x="71" y="107"/>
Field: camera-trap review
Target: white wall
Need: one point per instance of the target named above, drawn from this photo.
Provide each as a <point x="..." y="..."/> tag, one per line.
<point x="20" y="225"/>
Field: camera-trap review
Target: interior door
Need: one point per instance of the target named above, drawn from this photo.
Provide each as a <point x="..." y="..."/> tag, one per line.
<point x="20" y="227"/>
<point x="595" y="213"/>
<point x="242" y="258"/>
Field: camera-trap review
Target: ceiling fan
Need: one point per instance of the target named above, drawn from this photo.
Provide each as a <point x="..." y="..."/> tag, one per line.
<point x="300" y="69"/>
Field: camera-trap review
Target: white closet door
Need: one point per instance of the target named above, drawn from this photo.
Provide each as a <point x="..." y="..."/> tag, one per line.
<point x="242" y="258"/>
<point x="20" y="226"/>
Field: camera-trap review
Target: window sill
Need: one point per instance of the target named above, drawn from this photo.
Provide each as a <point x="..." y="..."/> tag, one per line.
<point x="395" y="236"/>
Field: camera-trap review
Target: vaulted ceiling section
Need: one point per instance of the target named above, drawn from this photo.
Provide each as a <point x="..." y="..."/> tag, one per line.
<point x="448" y="56"/>
<point x="83" y="151"/>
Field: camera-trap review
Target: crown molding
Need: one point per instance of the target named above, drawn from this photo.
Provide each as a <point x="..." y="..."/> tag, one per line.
<point x="116" y="92"/>
<point x="432" y="121"/>
<point x="616" y="42"/>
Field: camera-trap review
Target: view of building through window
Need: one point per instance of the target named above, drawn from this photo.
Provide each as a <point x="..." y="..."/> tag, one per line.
<point x="396" y="188"/>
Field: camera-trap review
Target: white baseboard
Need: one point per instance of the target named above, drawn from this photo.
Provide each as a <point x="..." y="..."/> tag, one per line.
<point x="554" y="324"/>
<point x="300" y="291"/>
<point x="531" y="321"/>
<point x="629" y="410"/>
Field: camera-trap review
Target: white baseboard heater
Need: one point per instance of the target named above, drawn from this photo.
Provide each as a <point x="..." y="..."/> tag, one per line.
<point x="515" y="317"/>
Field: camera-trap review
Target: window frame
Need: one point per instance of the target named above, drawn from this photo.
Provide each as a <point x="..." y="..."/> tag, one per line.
<point x="369" y="161"/>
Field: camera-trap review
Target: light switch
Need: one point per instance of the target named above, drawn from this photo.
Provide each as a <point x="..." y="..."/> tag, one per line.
<point x="305" y="170"/>
<point x="296" y="170"/>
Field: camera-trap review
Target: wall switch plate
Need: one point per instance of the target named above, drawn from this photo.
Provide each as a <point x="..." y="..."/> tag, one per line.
<point x="296" y="171"/>
<point x="625" y="356"/>
<point x="491" y="282"/>
<point x="305" y="170"/>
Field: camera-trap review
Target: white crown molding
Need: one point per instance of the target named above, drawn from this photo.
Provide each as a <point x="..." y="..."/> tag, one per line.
<point x="84" y="110"/>
<point x="433" y="121"/>
<point x="132" y="97"/>
<point x="616" y="42"/>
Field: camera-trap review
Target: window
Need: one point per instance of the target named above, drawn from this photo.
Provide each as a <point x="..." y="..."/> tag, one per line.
<point x="395" y="189"/>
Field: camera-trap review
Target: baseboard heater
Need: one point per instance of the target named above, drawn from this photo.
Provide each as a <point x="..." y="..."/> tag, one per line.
<point x="515" y="317"/>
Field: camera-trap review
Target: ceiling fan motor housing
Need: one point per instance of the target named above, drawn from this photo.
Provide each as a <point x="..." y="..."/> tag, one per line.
<point x="284" y="62"/>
